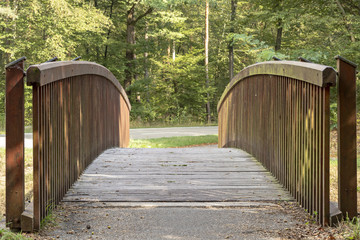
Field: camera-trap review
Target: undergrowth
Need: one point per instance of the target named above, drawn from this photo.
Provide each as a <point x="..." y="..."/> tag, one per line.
<point x="351" y="228"/>
<point x="7" y="235"/>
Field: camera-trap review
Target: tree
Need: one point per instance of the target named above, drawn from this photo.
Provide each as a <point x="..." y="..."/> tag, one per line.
<point x="207" y="59"/>
<point x="231" y="42"/>
<point x="131" y="21"/>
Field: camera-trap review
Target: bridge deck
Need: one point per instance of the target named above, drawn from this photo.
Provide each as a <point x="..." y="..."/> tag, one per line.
<point x="175" y="175"/>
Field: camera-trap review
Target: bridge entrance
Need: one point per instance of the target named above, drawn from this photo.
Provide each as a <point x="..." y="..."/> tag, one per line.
<point x="278" y="112"/>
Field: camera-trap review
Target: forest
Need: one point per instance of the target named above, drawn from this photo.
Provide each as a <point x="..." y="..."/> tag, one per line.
<point x="175" y="57"/>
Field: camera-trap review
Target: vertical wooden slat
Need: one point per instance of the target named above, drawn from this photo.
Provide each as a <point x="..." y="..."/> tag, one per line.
<point x="51" y="145"/>
<point x="43" y="146"/>
<point x="317" y="153"/>
<point x="36" y="155"/>
<point x="293" y="140"/>
<point x="56" y="159"/>
<point x="307" y="146"/>
<point x="47" y="150"/>
<point x="298" y="142"/>
<point x="326" y="156"/>
<point x="61" y="140"/>
<point x="66" y="133"/>
<point x="302" y="158"/>
<point x="312" y="143"/>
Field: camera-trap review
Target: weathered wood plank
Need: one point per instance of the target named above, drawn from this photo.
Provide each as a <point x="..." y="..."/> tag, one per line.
<point x="175" y="175"/>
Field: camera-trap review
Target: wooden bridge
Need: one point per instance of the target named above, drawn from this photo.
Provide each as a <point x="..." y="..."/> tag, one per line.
<point x="278" y="112"/>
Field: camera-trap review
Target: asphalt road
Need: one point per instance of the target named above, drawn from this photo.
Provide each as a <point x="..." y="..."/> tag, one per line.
<point x="146" y="133"/>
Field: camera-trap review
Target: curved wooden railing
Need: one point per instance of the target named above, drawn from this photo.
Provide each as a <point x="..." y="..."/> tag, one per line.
<point x="279" y="112"/>
<point x="79" y="110"/>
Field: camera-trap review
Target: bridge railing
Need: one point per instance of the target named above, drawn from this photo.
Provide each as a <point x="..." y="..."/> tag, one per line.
<point x="279" y="112"/>
<point x="79" y="110"/>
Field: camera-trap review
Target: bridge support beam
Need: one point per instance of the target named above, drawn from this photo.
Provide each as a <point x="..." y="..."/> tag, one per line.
<point x="347" y="137"/>
<point x="15" y="189"/>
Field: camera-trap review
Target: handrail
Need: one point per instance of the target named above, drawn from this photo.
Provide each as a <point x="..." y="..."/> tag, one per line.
<point x="316" y="74"/>
<point x="46" y="73"/>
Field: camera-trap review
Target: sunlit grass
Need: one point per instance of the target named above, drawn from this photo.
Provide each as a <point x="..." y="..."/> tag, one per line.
<point x="173" y="141"/>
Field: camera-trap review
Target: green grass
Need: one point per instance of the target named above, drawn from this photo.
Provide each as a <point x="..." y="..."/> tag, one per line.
<point x="50" y="219"/>
<point x="7" y="235"/>
<point x="350" y="228"/>
<point x="173" y="142"/>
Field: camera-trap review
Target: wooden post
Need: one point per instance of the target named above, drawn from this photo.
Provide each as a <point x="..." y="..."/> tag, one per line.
<point x="347" y="137"/>
<point x="15" y="189"/>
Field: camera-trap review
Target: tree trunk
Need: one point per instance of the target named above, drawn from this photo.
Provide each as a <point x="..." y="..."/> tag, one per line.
<point x="207" y="59"/>
<point x="168" y="53"/>
<point x="109" y="30"/>
<point x="278" y="35"/>
<point x="130" y="54"/>
<point x="173" y="51"/>
<point x="130" y="40"/>
<point x="146" y="67"/>
<point x="146" y="37"/>
<point x="232" y="30"/>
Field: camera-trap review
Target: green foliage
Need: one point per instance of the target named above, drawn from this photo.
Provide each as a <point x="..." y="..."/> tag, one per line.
<point x="169" y="73"/>
<point x="41" y="30"/>
<point x="2" y="123"/>
<point x="185" y="123"/>
<point x="172" y="142"/>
